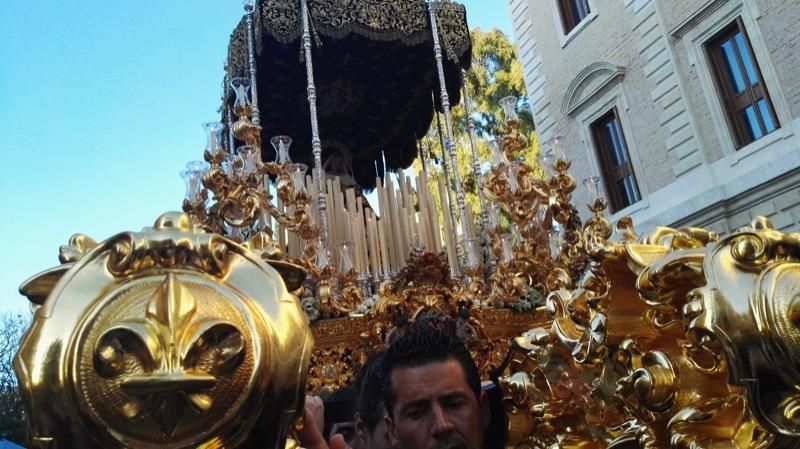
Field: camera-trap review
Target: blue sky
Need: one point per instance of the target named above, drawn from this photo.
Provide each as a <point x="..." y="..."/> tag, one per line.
<point x="100" y="107"/>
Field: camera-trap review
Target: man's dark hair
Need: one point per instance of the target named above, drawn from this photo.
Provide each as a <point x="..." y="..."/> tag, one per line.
<point x="423" y="346"/>
<point x="339" y="407"/>
<point x="370" y="402"/>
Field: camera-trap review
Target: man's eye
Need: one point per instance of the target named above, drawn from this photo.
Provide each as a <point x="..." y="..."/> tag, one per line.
<point x="414" y="413"/>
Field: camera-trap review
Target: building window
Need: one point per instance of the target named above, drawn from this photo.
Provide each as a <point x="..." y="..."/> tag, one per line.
<point x="572" y="13"/>
<point x="741" y="86"/>
<point x="615" y="162"/>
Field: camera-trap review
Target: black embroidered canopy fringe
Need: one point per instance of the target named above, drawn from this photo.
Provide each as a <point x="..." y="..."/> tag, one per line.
<point x="374" y="70"/>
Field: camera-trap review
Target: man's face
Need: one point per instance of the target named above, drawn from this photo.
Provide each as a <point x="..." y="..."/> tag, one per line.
<point x="436" y="409"/>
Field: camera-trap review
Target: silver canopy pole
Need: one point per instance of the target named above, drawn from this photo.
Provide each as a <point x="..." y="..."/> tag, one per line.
<point x="451" y="209"/>
<point x="249" y="9"/>
<point x="316" y="143"/>
<point x="450" y="143"/>
<point x="476" y="166"/>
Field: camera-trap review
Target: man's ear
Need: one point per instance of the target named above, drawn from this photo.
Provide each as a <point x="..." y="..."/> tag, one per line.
<point x="361" y="427"/>
<point x="485" y="408"/>
<point x="391" y="431"/>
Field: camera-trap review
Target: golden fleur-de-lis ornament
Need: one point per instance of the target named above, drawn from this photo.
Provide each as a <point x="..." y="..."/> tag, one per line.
<point x="178" y="358"/>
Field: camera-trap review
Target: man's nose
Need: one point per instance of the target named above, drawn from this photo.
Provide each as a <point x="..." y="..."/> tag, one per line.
<point x="442" y="423"/>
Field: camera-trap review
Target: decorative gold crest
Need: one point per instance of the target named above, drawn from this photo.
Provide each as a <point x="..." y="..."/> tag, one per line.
<point x="166" y="338"/>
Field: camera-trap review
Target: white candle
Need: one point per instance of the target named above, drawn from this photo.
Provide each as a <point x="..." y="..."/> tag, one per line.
<point x="448" y="228"/>
<point x="374" y="263"/>
<point x="395" y="236"/>
<point x="383" y="204"/>
<point x="384" y="247"/>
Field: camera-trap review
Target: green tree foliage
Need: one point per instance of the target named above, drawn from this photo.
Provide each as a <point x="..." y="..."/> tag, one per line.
<point x="12" y="416"/>
<point x="496" y="73"/>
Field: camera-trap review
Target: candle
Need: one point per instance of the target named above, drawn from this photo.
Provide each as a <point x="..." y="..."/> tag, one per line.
<point x="448" y="229"/>
<point x="433" y="215"/>
<point x="332" y="224"/>
<point x="383" y="203"/>
<point x="470" y="224"/>
<point x="384" y="247"/>
<point x="395" y="236"/>
<point x="423" y="234"/>
<point x="362" y="229"/>
<point x="422" y="215"/>
<point x="374" y="262"/>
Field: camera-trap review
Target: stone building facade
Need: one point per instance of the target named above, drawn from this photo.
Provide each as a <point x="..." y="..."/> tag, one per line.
<point x="708" y="144"/>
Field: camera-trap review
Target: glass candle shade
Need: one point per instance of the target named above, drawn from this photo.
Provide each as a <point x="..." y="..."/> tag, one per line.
<point x="297" y="172"/>
<point x="592" y="184"/>
<point x="193" y="177"/>
<point x="546" y="160"/>
<point x="472" y="252"/>
<point x="498" y="157"/>
<point x="249" y="6"/>
<point x="555" y="147"/>
<point x="509" y="105"/>
<point x="250" y="156"/>
<point x="346" y="256"/>
<point x="323" y="259"/>
<point x="201" y="166"/>
<point x="557" y="239"/>
<point x="214" y="138"/>
<point x="312" y="217"/>
<point x="282" y="145"/>
<point x="241" y="87"/>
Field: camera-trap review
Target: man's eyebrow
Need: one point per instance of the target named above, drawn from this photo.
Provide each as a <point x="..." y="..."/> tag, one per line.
<point x="414" y="403"/>
<point x="456" y="394"/>
<point x="450" y="395"/>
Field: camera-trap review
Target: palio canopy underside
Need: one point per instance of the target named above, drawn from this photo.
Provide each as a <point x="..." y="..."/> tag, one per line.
<point x="374" y="70"/>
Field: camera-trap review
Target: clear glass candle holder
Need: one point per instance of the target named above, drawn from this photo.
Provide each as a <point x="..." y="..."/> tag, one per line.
<point x="509" y="105"/>
<point x="193" y="177"/>
<point x="472" y="252"/>
<point x="241" y="88"/>
<point x="346" y="256"/>
<point x="213" y="132"/>
<point x="546" y="160"/>
<point x="250" y="158"/>
<point x="592" y="184"/>
<point x="281" y="144"/>
<point x="297" y="173"/>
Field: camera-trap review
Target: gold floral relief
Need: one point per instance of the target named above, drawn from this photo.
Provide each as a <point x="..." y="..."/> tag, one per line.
<point x="678" y="339"/>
